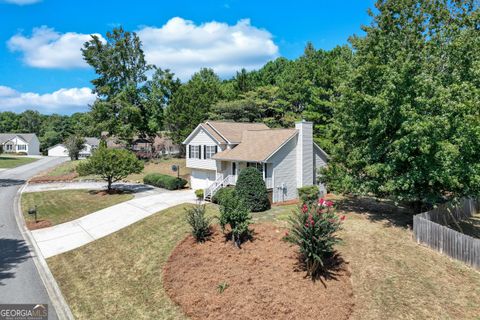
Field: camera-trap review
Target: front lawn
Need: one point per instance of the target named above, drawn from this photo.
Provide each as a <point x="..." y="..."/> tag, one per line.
<point x="392" y="277"/>
<point x="163" y="166"/>
<point x="60" y="206"/>
<point x="65" y="171"/>
<point x="8" y="162"/>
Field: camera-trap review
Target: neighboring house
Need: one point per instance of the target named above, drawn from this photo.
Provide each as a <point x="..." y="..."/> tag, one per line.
<point x="26" y="143"/>
<point x="60" y="150"/>
<point x="160" y="145"/>
<point x="287" y="158"/>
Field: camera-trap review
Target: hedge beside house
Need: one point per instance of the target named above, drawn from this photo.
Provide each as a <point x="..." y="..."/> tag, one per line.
<point x="252" y="189"/>
<point x="308" y="194"/>
<point x="164" y="181"/>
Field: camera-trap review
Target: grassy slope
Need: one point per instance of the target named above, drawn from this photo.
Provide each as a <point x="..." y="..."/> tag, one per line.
<point x="163" y="166"/>
<point x="393" y="277"/>
<point x="64" y="168"/>
<point x="67" y="205"/>
<point x="7" y="162"/>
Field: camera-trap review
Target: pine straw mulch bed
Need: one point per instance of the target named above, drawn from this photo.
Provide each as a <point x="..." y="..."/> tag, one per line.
<point x="265" y="280"/>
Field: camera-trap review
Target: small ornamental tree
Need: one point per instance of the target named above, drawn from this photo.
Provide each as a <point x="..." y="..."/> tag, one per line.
<point x="252" y="189"/>
<point x="199" y="222"/>
<point x="111" y="165"/>
<point x="74" y="145"/>
<point x="313" y="228"/>
<point x="236" y="214"/>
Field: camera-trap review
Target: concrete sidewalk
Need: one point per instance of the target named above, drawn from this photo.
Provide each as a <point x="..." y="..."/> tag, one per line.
<point x="73" y="234"/>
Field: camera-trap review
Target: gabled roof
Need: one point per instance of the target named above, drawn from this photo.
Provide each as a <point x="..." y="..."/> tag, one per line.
<point x="232" y="131"/>
<point x="92" y="141"/>
<point x="257" y="145"/>
<point x="27" y="137"/>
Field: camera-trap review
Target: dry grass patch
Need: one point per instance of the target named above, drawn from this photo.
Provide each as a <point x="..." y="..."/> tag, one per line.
<point x="394" y="278"/>
<point x="60" y="206"/>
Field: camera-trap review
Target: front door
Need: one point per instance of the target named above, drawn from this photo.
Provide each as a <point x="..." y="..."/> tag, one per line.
<point x="234" y="168"/>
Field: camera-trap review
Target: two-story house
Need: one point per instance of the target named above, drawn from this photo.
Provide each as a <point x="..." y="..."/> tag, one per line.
<point x="287" y="158"/>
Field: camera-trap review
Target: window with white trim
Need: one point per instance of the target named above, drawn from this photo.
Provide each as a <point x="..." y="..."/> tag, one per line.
<point x="9" y="147"/>
<point x="195" y="152"/>
<point x="22" y="147"/>
<point x="210" y="151"/>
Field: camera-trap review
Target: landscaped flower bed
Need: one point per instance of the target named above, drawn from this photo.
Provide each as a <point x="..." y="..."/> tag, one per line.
<point x="262" y="280"/>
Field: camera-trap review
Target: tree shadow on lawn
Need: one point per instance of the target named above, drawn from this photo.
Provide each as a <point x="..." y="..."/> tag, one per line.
<point x="378" y="210"/>
<point x="124" y="189"/>
<point x="12" y="253"/>
<point x="5" y="183"/>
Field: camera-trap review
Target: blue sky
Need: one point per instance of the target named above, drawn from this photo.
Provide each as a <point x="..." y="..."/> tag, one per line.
<point x="41" y="68"/>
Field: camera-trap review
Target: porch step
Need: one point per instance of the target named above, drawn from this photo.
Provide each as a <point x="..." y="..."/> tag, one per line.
<point x="208" y="198"/>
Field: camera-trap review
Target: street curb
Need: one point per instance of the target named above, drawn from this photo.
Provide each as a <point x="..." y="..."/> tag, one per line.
<point x="60" y="305"/>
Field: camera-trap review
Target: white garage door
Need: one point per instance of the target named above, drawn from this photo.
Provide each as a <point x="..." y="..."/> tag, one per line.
<point x="58" y="151"/>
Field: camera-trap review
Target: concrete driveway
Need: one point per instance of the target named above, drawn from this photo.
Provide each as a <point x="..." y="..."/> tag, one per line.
<point x="19" y="277"/>
<point x="73" y="234"/>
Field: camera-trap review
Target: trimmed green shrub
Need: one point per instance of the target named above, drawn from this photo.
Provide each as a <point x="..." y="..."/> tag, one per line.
<point x="199" y="223"/>
<point x="164" y="181"/>
<point x="252" y="189"/>
<point x="308" y="194"/>
<point x="235" y="214"/>
<point x="313" y="228"/>
<point x="220" y="194"/>
<point x="199" y="193"/>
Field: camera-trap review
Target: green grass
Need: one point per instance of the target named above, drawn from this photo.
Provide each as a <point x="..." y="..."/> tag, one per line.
<point x="66" y="205"/>
<point x="63" y="169"/>
<point x="8" y="162"/>
<point x="120" y="276"/>
<point x="163" y="166"/>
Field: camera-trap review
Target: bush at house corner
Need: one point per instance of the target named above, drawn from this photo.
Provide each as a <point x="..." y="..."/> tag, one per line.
<point x="252" y="190"/>
<point x="164" y="181"/>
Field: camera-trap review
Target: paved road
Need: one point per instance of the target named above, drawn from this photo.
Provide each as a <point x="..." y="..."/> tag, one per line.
<point x="19" y="278"/>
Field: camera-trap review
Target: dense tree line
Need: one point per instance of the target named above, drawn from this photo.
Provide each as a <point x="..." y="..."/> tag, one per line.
<point x="50" y="129"/>
<point x="397" y="109"/>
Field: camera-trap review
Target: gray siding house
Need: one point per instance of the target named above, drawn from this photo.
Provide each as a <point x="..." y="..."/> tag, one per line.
<point x="287" y="158"/>
<point x="23" y="143"/>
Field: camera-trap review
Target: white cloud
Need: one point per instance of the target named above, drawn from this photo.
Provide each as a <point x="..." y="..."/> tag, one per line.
<point x="180" y="45"/>
<point x="61" y="101"/>
<point x="185" y="47"/>
<point x="46" y="48"/>
<point x="21" y="2"/>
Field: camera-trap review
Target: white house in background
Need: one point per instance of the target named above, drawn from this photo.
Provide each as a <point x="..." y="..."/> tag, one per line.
<point x="27" y="143"/>
<point x="60" y="150"/>
<point x="287" y="158"/>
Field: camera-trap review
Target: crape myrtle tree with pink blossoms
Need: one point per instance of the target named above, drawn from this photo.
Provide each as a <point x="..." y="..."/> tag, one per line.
<point x="314" y="227"/>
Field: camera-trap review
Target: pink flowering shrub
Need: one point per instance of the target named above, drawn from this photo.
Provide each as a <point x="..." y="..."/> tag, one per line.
<point x="313" y="228"/>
